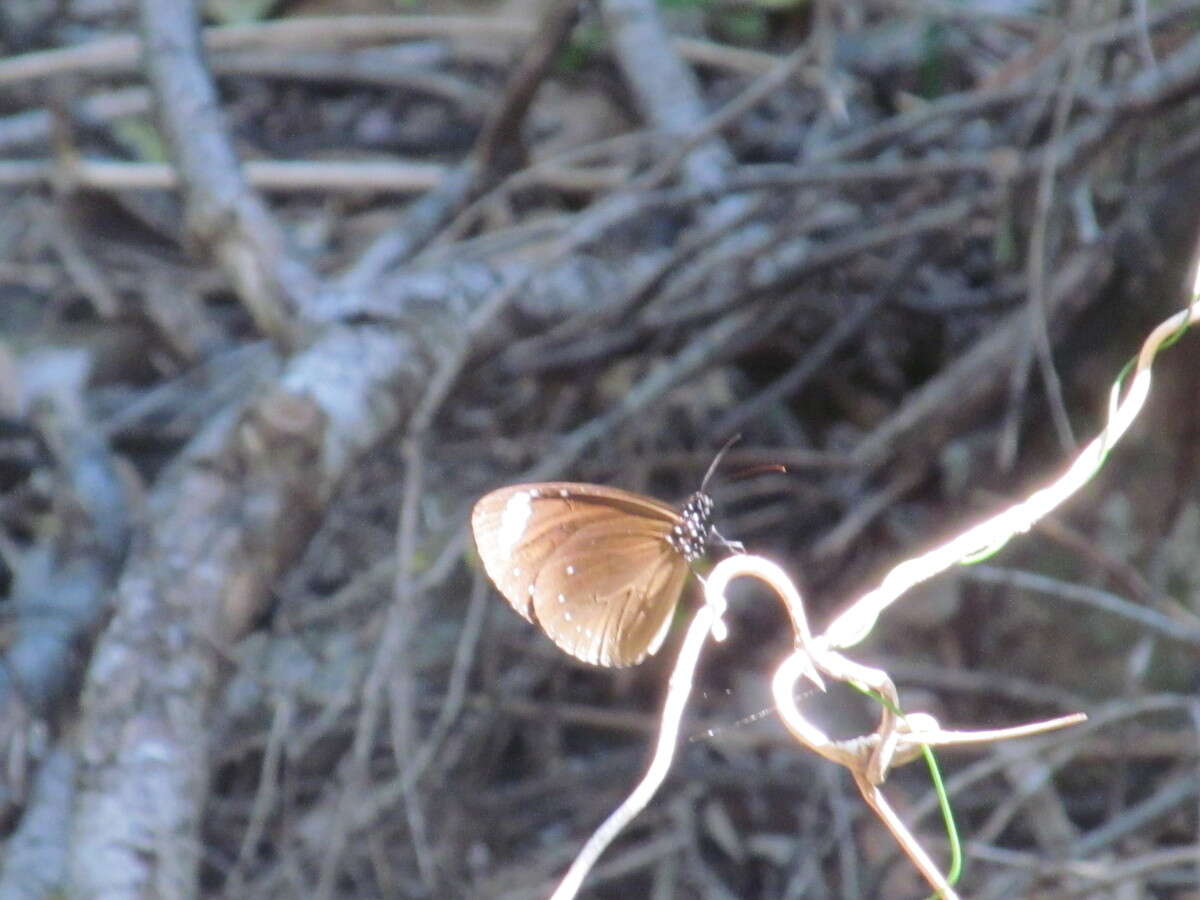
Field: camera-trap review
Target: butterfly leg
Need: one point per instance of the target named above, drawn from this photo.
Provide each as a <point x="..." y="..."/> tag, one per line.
<point x="731" y="546"/>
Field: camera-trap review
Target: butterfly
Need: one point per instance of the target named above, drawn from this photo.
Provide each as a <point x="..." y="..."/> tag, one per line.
<point x="599" y="569"/>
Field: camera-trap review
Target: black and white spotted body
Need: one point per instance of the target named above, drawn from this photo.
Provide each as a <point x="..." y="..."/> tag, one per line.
<point x="690" y="536"/>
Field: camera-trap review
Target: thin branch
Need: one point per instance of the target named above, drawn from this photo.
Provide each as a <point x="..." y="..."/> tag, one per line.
<point x="223" y="213"/>
<point x="706" y="619"/>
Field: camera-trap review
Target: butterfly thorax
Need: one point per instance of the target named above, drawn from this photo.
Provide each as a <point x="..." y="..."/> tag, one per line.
<point x="689" y="536"/>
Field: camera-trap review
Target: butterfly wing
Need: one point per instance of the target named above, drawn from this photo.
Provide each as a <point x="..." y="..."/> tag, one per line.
<point x="608" y="599"/>
<point x="590" y="563"/>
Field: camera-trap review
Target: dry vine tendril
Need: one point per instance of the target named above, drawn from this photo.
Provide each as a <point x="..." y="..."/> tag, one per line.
<point x="898" y="738"/>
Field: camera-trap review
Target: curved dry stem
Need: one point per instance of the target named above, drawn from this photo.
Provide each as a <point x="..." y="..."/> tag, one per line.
<point x="773" y="575"/>
<point x="896" y="740"/>
<point x="853" y="625"/>
<point x="907" y="840"/>
<point x="707" y="620"/>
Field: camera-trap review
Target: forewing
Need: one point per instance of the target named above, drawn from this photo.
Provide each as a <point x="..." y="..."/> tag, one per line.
<point x="518" y="528"/>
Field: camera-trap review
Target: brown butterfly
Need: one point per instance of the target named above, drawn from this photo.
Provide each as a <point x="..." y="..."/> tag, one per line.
<point x="598" y="568"/>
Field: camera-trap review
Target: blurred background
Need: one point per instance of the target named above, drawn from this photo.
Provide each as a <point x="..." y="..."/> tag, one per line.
<point x="286" y="286"/>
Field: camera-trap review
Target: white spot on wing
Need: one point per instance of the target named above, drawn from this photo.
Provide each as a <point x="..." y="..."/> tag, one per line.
<point x="570" y="570"/>
<point x="513" y="521"/>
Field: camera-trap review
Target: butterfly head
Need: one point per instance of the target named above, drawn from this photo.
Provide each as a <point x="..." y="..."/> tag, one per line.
<point x="690" y="534"/>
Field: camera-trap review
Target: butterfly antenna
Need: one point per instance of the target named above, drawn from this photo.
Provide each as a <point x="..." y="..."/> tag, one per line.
<point x="752" y="471"/>
<point x="712" y="467"/>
